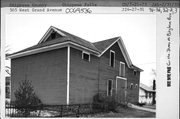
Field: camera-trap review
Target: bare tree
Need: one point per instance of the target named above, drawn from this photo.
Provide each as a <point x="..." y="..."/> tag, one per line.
<point x="7" y="68"/>
<point x="154" y="86"/>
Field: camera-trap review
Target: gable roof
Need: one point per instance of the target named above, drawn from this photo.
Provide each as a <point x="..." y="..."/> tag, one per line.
<point x="146" y="88"/>
<point x="103" y="45"/>
<point x="70" y="37"/>
<point x="66" y="38"/>
<point x="136" y="68"/>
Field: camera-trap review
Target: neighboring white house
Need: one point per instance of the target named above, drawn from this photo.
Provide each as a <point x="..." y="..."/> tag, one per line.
<point x="145" y="94"/>
<point x="7" y="80"/>
<point x="8" y="87"/>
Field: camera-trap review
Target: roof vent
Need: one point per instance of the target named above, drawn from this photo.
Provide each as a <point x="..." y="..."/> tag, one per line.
<point x="53" y="35"/>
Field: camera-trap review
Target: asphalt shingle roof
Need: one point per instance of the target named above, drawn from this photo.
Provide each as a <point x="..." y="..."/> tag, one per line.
<point x="143" y="86"/>
<point x="78" y="40"/>
<point x="96" y="46"/>
<point x="102" y="45"/>
<point x="68" y="37"/>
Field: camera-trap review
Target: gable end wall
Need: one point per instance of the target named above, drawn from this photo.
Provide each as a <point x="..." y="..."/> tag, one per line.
<point x="108" y="72"/>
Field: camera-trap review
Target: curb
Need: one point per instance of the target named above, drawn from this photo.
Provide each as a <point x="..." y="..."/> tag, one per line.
<point x="140" y="108"/>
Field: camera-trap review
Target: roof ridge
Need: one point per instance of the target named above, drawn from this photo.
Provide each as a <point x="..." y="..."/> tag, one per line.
<point x="144" y="86"/>
<point x="69" y="33"/>
<point x="82" y="39"/>
<point x="107" y="39"/>
<point x="102" y="45"/>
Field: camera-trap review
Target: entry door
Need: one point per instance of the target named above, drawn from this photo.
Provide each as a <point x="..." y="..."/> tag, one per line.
<point x="121" y="89"/>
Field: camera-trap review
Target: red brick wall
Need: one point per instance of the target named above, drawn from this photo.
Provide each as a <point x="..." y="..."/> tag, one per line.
<point x="47" y="71"/>
<point x="83" y="77"/>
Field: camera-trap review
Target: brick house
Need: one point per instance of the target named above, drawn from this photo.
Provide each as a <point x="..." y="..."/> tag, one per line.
<point x="66" y="69"/>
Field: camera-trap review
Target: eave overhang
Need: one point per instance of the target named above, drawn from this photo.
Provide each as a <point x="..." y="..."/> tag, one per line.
<point x="50" y="47"/>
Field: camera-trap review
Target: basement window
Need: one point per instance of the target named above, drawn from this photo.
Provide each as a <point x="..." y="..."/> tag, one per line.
<point x="86" y="56"/>
<point x="112" y="58"/>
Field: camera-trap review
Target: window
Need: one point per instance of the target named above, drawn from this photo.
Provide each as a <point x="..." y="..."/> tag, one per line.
<point x="7" y="92"/>
<point x="146" y="95"/>
<point x="112" y="58"/>
<point x="150" y="95"/>
<point x="86" y="56"/>
<point x="109" y="87"/>
<point x="122" y="69"/>
<point x="7" y="83"/>
<point x="131" y="85"/>
<point x="53" y="35"/>
<point x="134" y="72"/>
<point x="136" y="86"/>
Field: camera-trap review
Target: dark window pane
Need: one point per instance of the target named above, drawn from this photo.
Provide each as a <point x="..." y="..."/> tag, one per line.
<point x="86" y="56"/>
<point x="7" y="83"/>
<point x="53" y="35"/>
<point x="134" y="72"/>
<point x="109" y="87"/>
<point x="122" y="70"/>
<point x="7" y="92"/>
<point x="131" y="86"/>
<point x="112" y="59"/>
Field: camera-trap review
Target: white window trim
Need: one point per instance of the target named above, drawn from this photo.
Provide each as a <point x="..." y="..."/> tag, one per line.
<point x="136" y="85"/>
<point x="120" y="78"/>
<point x="120" y="68"/>
<point x="47" y="34"/>
<point x="131" y="85"/>
<point x="134" y="71"/>
<point x="108" y="85"/>
<point x="84" y="52"/>
<point x="110" y="58"/>
<point x="122" y="48"/>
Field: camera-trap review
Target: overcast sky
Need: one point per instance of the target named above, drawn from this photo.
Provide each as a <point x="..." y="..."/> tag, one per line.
<point x="138" y="32"/>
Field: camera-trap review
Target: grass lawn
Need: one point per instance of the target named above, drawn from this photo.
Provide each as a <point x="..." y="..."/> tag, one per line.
<point x="127" y="113"/>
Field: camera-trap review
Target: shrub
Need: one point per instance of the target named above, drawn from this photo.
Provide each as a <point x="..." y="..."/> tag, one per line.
<point x="111" y="103"/>
<point x="105" y="103"/>
<point x="25" y="98"/>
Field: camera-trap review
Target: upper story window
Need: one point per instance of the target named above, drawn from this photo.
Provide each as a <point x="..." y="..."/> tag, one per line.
<point x="135" y="72"/>
<point x="112" y="58"/>
<point x="86" y="56"/>
<point x="53" y="35"/>
<point x="122" y="69"/>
